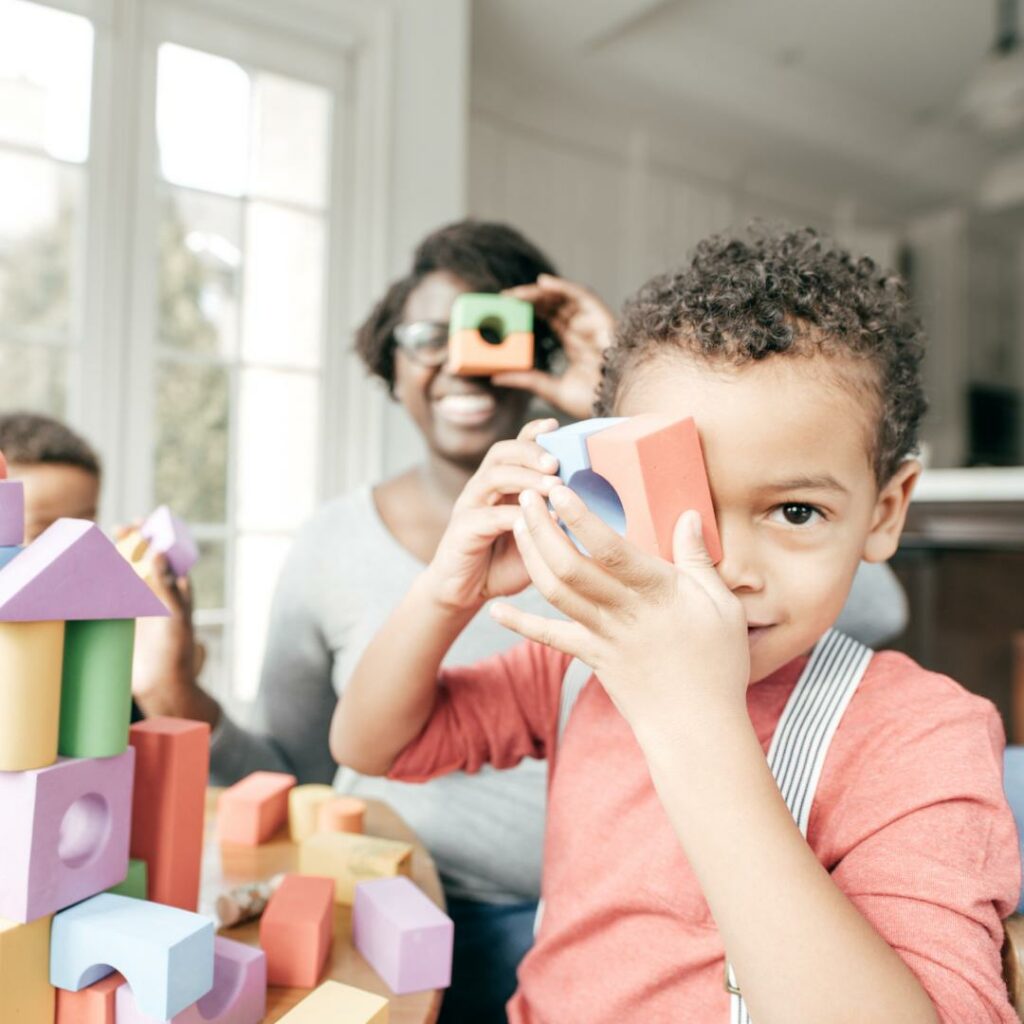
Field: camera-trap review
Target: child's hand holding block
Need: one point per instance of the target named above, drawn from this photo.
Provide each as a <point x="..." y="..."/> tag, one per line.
<point x="490" y="334"/>
<point x="296" y="930"/>
<point x="334" y="1003"/>
<point x="251" y="811"/>
<point x="405" y="938"/>
<point x="350" y="859"/>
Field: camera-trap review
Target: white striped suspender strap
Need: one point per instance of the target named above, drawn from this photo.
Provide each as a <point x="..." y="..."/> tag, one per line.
<point x="801" y="741"/>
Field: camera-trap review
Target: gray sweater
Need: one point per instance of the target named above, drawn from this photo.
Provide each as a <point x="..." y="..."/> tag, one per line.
<point x="343" y="576"/>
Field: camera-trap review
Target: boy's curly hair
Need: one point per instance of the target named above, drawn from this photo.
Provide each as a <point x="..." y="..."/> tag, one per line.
<point x="486" y="255"/>
<point x="770" y="291"/>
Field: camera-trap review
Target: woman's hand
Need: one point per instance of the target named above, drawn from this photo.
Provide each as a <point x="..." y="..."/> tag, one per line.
<point x="477" y="558"/>
<point x="585" y="327"/>
<point x="668" y="641"/>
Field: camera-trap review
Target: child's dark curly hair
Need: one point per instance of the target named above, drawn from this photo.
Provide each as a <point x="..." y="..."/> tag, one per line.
<point x="783" y="291"/>
<point x="487" y="256"/>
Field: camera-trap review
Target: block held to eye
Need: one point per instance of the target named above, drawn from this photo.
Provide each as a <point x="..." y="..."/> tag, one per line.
<point x="490" y="334"/>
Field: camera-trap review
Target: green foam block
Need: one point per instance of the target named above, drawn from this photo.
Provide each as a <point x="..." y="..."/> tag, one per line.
<point x="136" y="883"/>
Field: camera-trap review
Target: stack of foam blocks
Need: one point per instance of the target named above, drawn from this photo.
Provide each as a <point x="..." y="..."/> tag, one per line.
<point x="89" y="807"/>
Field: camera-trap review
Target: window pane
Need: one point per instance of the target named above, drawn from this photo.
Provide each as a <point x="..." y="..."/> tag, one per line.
<point x="200" y="256"/>
<point x="39" y="221"/>
<point x="278" y="419"/>
<point x="33" y="377"/>
<point x="208" y="576"/>
<point x="259" y="561"/>
<point x="291" y="132"/>
<point x="192" y="440"/>
<point x="45" y="79"/>
<point x="202" y="120"/>
<point x="213" y="676"/>
<point x="282" y="313"/>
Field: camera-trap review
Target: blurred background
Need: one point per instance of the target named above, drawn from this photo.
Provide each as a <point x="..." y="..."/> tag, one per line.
<point x="198" y="200"/>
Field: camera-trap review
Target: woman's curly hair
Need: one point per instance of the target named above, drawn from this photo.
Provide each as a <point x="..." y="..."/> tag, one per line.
<point x="767" y="291"/>
<point x="487" y="256"/>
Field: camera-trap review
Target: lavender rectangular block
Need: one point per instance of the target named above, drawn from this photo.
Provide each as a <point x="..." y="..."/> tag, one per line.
<point x="12" y="512"/>
<point x="404" y="937"/>
<point x="169" y="536"/>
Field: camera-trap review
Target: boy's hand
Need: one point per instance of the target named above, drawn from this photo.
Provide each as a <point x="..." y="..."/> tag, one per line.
<point x="476" y="558"/>
<point x="584" y="326"/>
<point x="668" y="642"/>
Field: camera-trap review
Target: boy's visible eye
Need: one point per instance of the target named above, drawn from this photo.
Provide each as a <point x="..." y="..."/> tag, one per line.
<point x="795" y="513"/>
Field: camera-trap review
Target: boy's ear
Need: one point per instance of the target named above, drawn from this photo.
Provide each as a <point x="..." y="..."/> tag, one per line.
<point x="891" y="512"/>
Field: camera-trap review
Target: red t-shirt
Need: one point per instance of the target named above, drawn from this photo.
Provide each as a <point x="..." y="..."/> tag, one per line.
<point x="909" y="818"/>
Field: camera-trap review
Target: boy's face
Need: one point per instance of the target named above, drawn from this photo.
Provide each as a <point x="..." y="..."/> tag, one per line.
<point x="787" y="446"/>
<point x="54" y="491"/>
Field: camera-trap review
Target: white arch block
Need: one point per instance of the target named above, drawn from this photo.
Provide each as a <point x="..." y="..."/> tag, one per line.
<point x="65" y="834"/>
<point x="164" y="953"/>
<point x="238" y="996"/>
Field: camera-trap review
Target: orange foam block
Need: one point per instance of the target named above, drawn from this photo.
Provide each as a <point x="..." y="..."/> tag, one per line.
<point x="656" y="466"/>
<point x="251" y="811"/>
<point x="342" y="814"/>
<point x="95" y="1004"/>
<point x="172" y="767"/>
<point x="470" y="356"/>
<point x="296" y="930"/>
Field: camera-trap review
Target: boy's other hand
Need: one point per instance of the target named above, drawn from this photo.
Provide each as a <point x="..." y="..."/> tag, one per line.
<point x="668" y="642"/>
<point x="476" y="558"/>
<point x="584" y="326"/>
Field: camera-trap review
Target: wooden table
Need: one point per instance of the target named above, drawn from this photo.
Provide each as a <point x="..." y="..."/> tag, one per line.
<point x="227" y="867"/>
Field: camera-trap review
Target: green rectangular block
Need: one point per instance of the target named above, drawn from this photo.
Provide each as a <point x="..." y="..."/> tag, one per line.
<point x="136" y="883"/>
<point x="502" y="313"/>
<point x="96" y="688"/>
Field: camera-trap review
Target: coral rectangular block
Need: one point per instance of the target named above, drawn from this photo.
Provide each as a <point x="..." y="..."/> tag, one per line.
<point x="169" y="536"/>
<point x="164" y="953"/>
<point x="304" y="804"/>
<point x="296" y="930"/>
<point x="490" y="334"/>
<point x="171" y="771"/>
<point x="93" y="1005"/>
<point x="31" y="658"/>
<point x="12" y="512"/>
<point x="335" y="1003"/>
<point x="65" y="833"/>
<point x="96" y="687"/>
<point x="350" y="859"/>
<point x="26" y="995"/>
<point x="404" y="936"/>
<point x="73" y="571"/>
<point x="251" y="811"/>
<point x="238" y="996"/>
<point x="135" y="883"/>
<point x="656" y="467"/>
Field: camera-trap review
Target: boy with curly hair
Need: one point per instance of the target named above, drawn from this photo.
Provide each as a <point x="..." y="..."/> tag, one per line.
<point x="740" y="794"/>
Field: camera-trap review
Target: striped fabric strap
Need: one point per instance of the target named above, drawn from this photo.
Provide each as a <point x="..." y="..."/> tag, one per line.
<point x="801" y="741"/>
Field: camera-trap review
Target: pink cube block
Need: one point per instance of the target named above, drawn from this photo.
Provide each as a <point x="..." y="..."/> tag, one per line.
<point x="65" y="833"/>
<point x="12" y="512"/>
<point x="404" y="937"/>
<point x="238" y="996"/>
<point x="169" y="536"/>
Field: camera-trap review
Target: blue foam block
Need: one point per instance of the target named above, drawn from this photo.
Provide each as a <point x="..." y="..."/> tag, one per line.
<point x="6" y="554"/>
<point x="165" y="954"/>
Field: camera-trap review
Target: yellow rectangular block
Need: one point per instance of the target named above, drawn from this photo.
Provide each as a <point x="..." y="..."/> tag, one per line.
<point x="335" y="1003"/>
<point x="31" y="660"/>
<point x="303" y="807"/>
<point x="26" y="995"/>
<point x="349" y="859"/>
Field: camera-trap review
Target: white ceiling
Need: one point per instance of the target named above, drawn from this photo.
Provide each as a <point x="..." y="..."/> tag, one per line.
<point x="856" y="98"/>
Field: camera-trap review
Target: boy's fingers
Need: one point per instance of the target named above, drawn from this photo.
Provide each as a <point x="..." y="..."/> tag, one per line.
<point x="490" y="522"/>
<point x="568" y="637"/>
<point x="521" y="452"/>
<point x="490" y="485"/>
<point x="532" y="430"/>
<point x="688" y="550"/>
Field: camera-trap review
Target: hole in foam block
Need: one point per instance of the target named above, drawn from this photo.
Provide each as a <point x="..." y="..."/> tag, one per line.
<point x="83" y="830"/>
<point x="600" y="497"/>
<point x="492" y="330"/>
<point x="228" y="976"/>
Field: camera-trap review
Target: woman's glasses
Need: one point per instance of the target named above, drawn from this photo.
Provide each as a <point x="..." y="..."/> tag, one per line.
<point x="426" y="341"/>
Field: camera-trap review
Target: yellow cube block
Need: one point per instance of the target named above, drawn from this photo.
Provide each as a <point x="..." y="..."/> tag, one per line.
<point x="335" y="1003"/>
<point x="349" y="859"/>
<point x="304" y="804"/>
<point x="26" y="995"/>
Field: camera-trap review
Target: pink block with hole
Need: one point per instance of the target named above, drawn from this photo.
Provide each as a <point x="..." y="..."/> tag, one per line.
<point x="238" y="996"/>
<point x="65" y="833"/>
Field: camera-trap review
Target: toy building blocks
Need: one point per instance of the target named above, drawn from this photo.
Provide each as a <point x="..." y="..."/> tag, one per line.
<point x="335" y="1003"/>
<point x="65" y="835"/>
<point x="172" y="767"/>
<point x="251" y="811"/>
<point x="164" y="953"/>
<point x="404" y="937"/>
<point x="304" y="803"/>
<point x="350" y="859"/>
<point x="296" y="930"/>
<point x="26" y="995"/>
<point x="95" y="1004"/>
<point x="12" y="509"/>
<point x="342" y="814"/>
<point x="490" y="334"/>
<point x="135" y="883"/>
<point x="238" y="996"/>
<point x="169" y="536"/>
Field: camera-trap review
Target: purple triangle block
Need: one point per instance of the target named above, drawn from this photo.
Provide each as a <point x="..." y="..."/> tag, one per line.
<point x="73" y="572"/>
<point x="169" y="536"/>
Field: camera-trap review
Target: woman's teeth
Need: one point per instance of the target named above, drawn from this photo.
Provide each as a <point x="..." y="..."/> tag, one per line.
<point x="465" y="409"/>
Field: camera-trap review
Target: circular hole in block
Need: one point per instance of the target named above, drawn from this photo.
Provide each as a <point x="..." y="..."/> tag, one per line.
<point x="228" y="976"/>
<point x="492" y="330"/>
<point x="600" y="497"/>
<point x="83" y="830"/>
